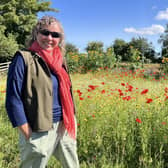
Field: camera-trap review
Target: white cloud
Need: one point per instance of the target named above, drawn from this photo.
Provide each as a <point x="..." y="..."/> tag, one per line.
<point x="154" y="29"/>
<point x="162" y="15"/>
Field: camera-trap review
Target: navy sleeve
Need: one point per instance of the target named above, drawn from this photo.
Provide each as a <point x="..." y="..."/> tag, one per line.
<point x="15" y="81"/>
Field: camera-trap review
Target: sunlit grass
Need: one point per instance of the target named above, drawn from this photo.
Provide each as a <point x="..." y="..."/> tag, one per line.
<point x="122" y="122"/>
<point x="119" y="124"/>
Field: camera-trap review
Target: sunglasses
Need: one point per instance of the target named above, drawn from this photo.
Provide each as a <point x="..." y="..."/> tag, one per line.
<point x="47" y="33"/>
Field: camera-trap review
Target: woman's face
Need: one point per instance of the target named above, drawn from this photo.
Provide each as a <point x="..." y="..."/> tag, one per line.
<point x="47" y="40"/>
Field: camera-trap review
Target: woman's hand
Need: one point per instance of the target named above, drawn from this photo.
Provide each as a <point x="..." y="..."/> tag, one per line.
<point x="26" y="130"/>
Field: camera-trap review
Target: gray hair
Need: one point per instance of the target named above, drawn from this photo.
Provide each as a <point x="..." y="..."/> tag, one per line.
<point x="47" y="20"/>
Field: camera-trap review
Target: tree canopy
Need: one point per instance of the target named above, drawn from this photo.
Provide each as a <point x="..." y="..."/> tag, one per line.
<point x="95" y="46"/>
<point x="145" y="48"/>
<point x="69" y="47"/>
<point x="139" y="46"/>
<point x="164" y="41"/>
<point x="120" y="49"/>
<point x="17" y="17"/>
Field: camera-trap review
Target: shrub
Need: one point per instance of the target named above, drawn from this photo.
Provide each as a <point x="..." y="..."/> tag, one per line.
<point x="164" y="65"/>
<point x="8" y="47"/>
<point x="71" y="48"/>
<point x="95" y="46"/>
<point x="72" y="60"/>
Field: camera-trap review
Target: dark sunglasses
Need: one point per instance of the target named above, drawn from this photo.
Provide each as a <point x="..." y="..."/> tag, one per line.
<point x="47" y="33"/>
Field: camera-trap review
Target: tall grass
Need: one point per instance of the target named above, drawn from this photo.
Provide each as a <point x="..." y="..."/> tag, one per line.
<point x="119" y="125"/>
<point x="122" y="122"/>
<point x="8" y="136"/>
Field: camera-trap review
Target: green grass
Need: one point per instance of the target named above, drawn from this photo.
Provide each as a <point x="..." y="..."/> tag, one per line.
<point x="117" y="128"/>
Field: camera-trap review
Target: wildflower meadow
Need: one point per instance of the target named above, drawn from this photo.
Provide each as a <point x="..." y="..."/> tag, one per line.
<point x="122" y="120"/>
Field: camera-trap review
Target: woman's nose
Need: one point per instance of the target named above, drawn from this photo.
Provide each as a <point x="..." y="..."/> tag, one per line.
<point x="49" y="36"/>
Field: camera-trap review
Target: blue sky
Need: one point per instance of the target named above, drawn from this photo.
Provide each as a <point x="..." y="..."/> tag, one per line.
<point x="106" y="20"/>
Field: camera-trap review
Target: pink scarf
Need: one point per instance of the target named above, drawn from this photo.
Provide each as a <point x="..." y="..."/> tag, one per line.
<point x="54" y="60"/>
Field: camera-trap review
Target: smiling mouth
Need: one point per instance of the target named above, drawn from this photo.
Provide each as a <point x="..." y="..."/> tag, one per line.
<point x="48" y="44"/>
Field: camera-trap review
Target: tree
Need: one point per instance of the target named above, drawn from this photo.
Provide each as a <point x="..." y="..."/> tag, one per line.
<point x="17" y="17"/>
<point x="120" y="49"/>
<point x="164" y="41"/>
<point x="8" y="46"/>
<point x="145" y="48"/>
<point x="71" y="48"/>
<point x="72" y="57"/>
<point x="95" y="46"/>
<point x="109" y="57"/>
<point x="134" y="54"/>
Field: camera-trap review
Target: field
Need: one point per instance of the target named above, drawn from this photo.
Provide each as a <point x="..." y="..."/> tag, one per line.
<point x="122" y="121"/>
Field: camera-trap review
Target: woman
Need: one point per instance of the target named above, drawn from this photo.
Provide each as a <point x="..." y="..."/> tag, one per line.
<point x="39" y="99"/>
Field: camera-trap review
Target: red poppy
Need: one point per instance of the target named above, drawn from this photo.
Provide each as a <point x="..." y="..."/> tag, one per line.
<point x="79" y="92"/>
<point x="81" y="98"/>
<point x="163" y="123"/>
<point x="121" y="94"/>
<point x="148" y="100"/>
<point x="138" y="120"/>
<point x="130" y="88"/>
<point x="166" y="89"/>
<point x="102" y="83"/>
<point x="92" y="87"/>
<point x="166" y="98"/>
<point x="119" y="90"/>
<point x="123" y="84"/>
<point x="103" y="91"/>
<point x="144" y="91"/>
<point x="127" y="98"/>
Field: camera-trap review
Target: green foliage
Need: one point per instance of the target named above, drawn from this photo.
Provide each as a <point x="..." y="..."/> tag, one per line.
<point x="145" y="48"/>
<point x="134" y="54"/>
<point x="109" y="132"/>
<point x="141" y="47"/>
<point x="17" y="18"/>
<point x="69" y="47"/>
<point x="72" y="56"/>
<point x="120" y="49"/>
<point x="8" y="47"/>
<point x="72" y="61"/>
<point x="113" y="132"/>
<point x="164" y="41"/>
<point x="95" y="46"/>
<point x="93" y="60"/>
<point x="137" y="52"/>
<point x="109" y="58"/>
<point x="164" y="65"/>
<point x="140" y="43"/>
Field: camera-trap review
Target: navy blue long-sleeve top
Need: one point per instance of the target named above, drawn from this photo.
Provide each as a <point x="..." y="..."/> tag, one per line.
<point x="15" y="83"/>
